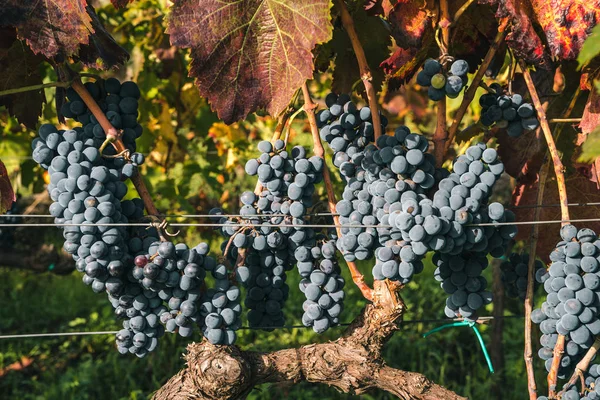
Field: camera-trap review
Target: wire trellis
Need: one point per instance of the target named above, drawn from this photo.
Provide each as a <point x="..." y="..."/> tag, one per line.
<point x="271" y="225"/>
<point x="345" y="324"/>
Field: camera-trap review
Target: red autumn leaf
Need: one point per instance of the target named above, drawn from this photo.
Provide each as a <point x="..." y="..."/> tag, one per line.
<point x="565" y="24"/>
<point x="7" y="195"/>
<point x="58" y="28"/>
<point x="591" y="115"/>
<point x="409" y="21"/>
<point x="579" y="190"/>
<point x="249" y="54"/>
<point x="19" y="68"/>
<point x="522" y="37"/>
<point x="50" y="27"/>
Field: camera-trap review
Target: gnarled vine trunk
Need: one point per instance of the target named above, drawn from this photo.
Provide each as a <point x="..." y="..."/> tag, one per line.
<point x="352" y="363"/>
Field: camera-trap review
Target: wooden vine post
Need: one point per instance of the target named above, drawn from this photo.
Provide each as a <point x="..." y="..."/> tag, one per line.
<point x="564" y="207"/>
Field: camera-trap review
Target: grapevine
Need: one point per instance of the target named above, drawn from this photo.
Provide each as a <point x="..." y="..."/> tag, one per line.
<point x="431" y="126"/>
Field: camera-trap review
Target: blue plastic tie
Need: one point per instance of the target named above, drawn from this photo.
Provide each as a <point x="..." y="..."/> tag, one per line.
<point x="473" y="326"/>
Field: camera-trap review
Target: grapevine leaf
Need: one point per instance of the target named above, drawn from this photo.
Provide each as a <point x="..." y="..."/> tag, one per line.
<point x="250" y="54"/>
<point x="404" y="63"/>
<point x="19" y="68"/>
<point x="7" y="195"/>
<point x="580" y="190"/>
<point x="565" y="25"/>
<point x="375" y="39"/>
<point x="120" y="3"/>
<point x="103" y="51"/>
<point x="591" y="147"/>
<point x="409" y="22"/>
<point x="50" y="27"/>
<point x="591" y="114"/>
<point x="590" y="48"/>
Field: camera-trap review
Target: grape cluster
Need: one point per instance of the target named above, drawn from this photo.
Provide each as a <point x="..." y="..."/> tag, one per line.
<point x="591" y="389"/>
<point x="221" y="309"/>
<point x="460" y="277"/>
<point x="322" y="283"/>
<point x="572" y="284"/>
<point x="514" y="274"/>
<point x="345" y="128"/>
<point x="383" y="181"/>
<point x="507" y="111"/>
<point x="119" y="101"/>
<point x="7" y="239"/>
<point x="149" y="282"/>
<point x="270" y="248"/>
<point x="441" y="83"/>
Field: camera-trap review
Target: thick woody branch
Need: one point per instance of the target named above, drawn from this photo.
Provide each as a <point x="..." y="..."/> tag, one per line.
<point x="351" y="364"/>
<point x="470" y="93"/>
<point x="363" y="66"/>
<point x="114" y="136"/>
<point x="533" y="239"/>
<point x="318" y="150"/>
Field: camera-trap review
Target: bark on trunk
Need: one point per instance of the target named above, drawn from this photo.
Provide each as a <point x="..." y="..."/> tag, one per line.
<point x="352" y="363"/>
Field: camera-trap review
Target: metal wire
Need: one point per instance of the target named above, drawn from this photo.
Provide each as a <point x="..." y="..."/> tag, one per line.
<point x="240" y="225"/>
<point x="324" y="214"/>
<point x="408" y="322"/>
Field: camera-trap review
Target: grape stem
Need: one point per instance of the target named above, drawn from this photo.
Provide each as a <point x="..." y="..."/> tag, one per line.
<point x="563" y="120"/>
<point x="470" y="93"/>
<point x="365" y="71"/>
<point x="309" y="107"/>
<point x="582" y="366"/>
<point x="110" y="131"/>
<point x="33" y="88"/>
<point x="533" y="239"/>
<point x="564" y="207"/>
<point x="441" y="130"/>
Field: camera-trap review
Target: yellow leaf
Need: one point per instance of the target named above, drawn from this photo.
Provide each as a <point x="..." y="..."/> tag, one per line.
<point x="231" y="159"/>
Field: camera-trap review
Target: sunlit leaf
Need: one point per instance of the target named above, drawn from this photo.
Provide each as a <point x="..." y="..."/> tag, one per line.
<point x="249" y="54"/>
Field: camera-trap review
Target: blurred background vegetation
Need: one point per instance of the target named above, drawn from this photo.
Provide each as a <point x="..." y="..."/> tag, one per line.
<point x="195" y="163"/>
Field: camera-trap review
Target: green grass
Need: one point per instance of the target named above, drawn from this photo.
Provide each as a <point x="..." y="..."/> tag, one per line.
<point x="89" y="367"/>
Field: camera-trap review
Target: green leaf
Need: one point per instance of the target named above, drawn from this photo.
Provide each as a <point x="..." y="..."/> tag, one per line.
<point x="590" y="48"/>
<point x="249" y="54"/>
<point x="590" y="149"/>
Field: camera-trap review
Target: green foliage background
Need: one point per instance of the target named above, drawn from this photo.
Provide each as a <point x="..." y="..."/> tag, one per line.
<point x="196" y="163"/>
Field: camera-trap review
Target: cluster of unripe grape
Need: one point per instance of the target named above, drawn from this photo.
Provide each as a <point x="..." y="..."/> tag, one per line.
<point x="442" y="83"/>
